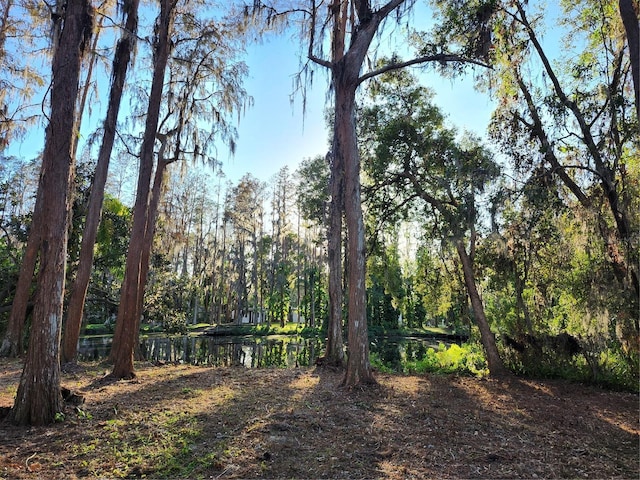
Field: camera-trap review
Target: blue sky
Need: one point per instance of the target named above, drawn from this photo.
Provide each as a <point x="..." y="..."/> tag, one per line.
<point x="274" y="132"/>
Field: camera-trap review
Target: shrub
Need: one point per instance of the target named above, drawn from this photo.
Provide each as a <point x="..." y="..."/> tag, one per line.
<point x="466" y="359"/>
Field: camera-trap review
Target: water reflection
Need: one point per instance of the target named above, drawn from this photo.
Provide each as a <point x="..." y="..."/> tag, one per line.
<point x="393" y="352"/>
<point x="252" y="352"/>
<point x="94" y="347"/>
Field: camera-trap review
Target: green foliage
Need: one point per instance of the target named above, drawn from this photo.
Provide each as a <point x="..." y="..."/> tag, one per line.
<point x="466" y="359"/>
<point x="571" y="142"/>
<point x="380" y="311"/>
<point x="8" y="276"/>
<point x="264" y="329"/>
<point x="606" y="366"/>
<point x="461" y="27"/>
<point x="414" y="312"/>
<point x="379" y="364"/>
<point x="167" y="298"/>
<point x="109" y="260"/>
<point x="313" y="305"/>
<point x="279" y="300"/>
<point x="308" y="332"/>
<point x="615" y="369"/>
<point x="112" y="236"/>
<point x="81" y="191"/>
<point x="419" y="169"/>
<point x="313" y="188"/>
<point x="440" y="292"/>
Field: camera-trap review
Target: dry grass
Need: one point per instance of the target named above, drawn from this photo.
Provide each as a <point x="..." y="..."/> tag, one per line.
<point x="195" y="422"/>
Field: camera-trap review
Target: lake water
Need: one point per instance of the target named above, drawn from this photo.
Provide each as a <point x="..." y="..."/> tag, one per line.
<point x="251" y="351"/>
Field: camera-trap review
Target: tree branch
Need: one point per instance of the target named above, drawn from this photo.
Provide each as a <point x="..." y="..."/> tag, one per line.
<point x="606" y="174"/>
<point x="439" y="57"/>
<point x="363" y="9"/>
<point x="320" y="61"/>
<point x="312" y="40"/>
<point x="388" y="8"/>
<point x="434" y="202"/>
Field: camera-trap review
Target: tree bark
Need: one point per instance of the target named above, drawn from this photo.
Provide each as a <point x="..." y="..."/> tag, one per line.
<point x="345" y="65"/>
<point x="13" y="339"/>
<point x="154" y="204"/>
<point x="345" y="76"/>
<point x="75" y="309"/>
<point x="38" y="398"/>
<point x="130" y="310"/>
<point x="629" y="14"/>
<point x="496" y="367"/>
<point x="354" y="24"/>
<point x="334" y="355"/>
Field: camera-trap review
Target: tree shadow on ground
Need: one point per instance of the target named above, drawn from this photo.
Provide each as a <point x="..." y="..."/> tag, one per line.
<point x="436" y="427"/>
<point x="185" y="421"/>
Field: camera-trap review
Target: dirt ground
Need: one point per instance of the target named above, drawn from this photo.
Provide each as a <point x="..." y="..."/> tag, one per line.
<point x="182" y="421"/>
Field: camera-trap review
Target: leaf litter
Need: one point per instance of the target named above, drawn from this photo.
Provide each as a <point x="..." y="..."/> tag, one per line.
<point x="183" y="421"/>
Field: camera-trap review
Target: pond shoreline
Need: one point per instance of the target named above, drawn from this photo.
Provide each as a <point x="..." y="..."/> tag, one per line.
<point x="251" y="347"/>
<point x="260" y="330"/>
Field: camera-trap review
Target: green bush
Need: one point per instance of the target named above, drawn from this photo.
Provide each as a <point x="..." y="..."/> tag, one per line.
<point x="466" y="359"/>
<point x="595" y="364"/>
<point x="377" y="363"/>
<point x="615" y="371"/>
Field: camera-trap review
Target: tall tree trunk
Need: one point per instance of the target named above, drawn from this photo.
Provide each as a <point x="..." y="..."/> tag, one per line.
<point x="496" y="367"/>
<point x="345" y="75"/>
<point x="75" y="309"/>
<point x="312" y="301"/>
<point x="629" y="14"/>
<point x="38" y="398"/>
<point x="13" y="339"/>
<point x="346" y="63"/>
<point x="129" y="310"/>
<point x="335" y="346"/>
<point x="215" y="253"/>
<point x="82" y="98"/>
<point x="154" y="205"/>
<point x="12" y="343"/>
<point x="220" y="287"/>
